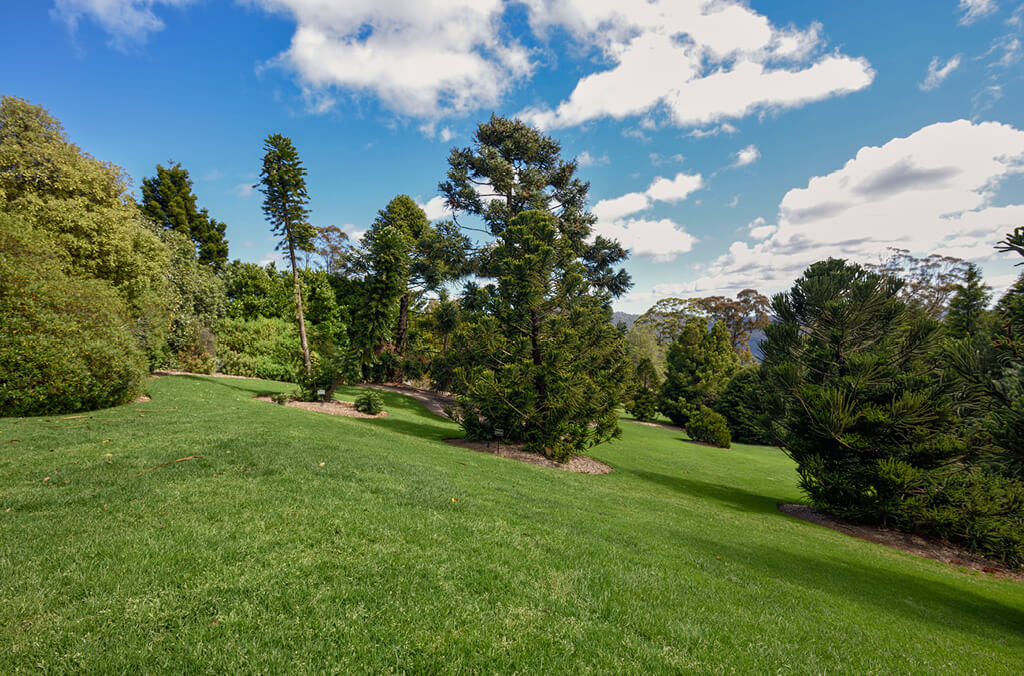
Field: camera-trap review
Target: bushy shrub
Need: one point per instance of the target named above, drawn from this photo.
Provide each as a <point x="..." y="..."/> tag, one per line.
<point x="281" y="398"/>
<point x="710" y="427"/>
<point x="741" y="404"/>
<point x="264" y="348"/>
<point x="66" y="344"/>
<point x="198" y="363"/>
<point x="369" y="402"/>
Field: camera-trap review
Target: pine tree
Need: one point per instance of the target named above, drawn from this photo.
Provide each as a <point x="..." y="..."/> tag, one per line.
<point x="970" y="300"/>
<point x="283" y="184"/>
<point x="699" y="365"/>
<point x="168" y="200"/>
<point x="544" y="365"/>
<point x="644" y="405"/>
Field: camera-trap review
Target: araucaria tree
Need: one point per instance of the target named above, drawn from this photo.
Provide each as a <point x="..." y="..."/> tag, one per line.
<point x="168" y="200"/>
<point x="283" y="184"/>
<point x="549" y="368"/>
<point x="644" y="403"/>
<point x="857" y="399"/>
<point x="535" y="355"/>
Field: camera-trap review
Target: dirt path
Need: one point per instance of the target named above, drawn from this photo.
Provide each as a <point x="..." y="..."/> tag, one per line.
<point x="929" y="548"/>
<point x="435" y="402"/>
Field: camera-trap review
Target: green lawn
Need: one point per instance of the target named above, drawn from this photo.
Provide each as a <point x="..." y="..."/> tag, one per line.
<point x="307" y="542"/>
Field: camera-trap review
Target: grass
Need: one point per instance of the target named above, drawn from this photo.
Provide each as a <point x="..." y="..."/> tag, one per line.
<point x="304" y="542"/>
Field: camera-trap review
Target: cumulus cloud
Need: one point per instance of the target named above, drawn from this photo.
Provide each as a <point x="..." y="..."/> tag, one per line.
<point x="976" y="9"/>
<point x="702" y="61"/>
<point x="746" y="156"/>
<point x="938" y="72"/>
<point x="125" y="21"/>
<point x="661" y="190"/>
<point x="662" y="240"/>
<point x="930" y="192"/>
<point x="435" y="208"/>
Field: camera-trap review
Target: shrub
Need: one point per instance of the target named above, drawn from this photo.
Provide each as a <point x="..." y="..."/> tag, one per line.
<point x="710" y="427"/>
<point x="66" y="344"/>
<point x="644" y="404"/>
<point x="264" y="348"/>
<point x="198" y="363"/>
<point x="369" y="402"/>
<point x="281" y="398"/>
<point x="742" y="406"/>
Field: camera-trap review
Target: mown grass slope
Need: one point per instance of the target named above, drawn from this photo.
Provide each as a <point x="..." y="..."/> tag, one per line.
<point x="307" y="542"/>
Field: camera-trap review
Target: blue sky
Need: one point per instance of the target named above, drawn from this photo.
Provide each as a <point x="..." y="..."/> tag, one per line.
<point x="728" y="144"/>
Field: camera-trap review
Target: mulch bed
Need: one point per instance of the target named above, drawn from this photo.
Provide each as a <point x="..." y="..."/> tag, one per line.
<point x="577" y="463"/>
<point x="929" y="548"/>
<point x="344" y="408"/>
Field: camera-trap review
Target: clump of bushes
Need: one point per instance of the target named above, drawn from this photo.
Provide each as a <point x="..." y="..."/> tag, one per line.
<point x="66" y="344"/>
<point x="261" y="348"/>
<point x="369" y="402"/>
<point x="281" y="398"/>
<point x="203" y="362"/>
<point x="709" y="427"/>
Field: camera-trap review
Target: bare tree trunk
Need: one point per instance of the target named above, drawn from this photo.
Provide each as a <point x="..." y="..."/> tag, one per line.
<point x="298" y="310"/>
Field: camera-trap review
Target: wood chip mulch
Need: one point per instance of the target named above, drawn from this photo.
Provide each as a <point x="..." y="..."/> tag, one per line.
<point x="344" y="408"/>
<point x="929" y="548"/>
<point x="577" y="463"/>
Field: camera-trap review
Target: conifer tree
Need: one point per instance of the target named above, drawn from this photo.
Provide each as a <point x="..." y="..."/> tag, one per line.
<point x="644" y="405"/>
<point x="283" y="184"/>
<point x="699" y="365"/>
<point x="168" y="200"/>
<point x="967" y="308"/>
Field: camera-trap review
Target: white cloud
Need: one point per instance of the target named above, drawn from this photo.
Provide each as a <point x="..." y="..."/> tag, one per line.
<point x="274" y="257"/>
<point x="976" y="9"/>
<point x="124" y="21"/>
<point x="446" y="135"/>
<point x="585" y="159"/>
<point x="724" y="128"/>
<point x="435" y="208"/>
<point x="657" y="159"/>
<point x="660" y="240"/>
<point x="245" y="190"/>
<point x="660" y="190"/>
<point x="422" y="59"/>
<point x="702" y="61"/>
<point x="938" y="72"/>
<point x="931" y="192"/>
<point x="746" y="156"/>
<point x="734" y="202"/>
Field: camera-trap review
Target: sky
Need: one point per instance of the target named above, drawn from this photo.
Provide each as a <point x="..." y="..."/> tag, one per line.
<point x="728" y="144"/>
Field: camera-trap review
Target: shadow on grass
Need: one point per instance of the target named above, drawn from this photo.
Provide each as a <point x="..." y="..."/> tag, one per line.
<point x="730" y="496"/>
<point x="915" y="597"/>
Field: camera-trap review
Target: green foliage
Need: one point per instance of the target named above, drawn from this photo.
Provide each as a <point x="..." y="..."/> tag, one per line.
<point x="256" y="291"/>
<point x="202" y="362"/>
<point x="642" y="343"/>
<point x="967" y="308"/>
<point x="926" y="284"/>
<point x="523" y="171"/>
<point x="168" y="200"/>
<point x="700" y="363"/>
<point x="387" y="245"/>
<point x="97" y="230"/>
<point x="281" y="398"/>
<point x="855" y="391"/>
<point x="544" y="364"/>
<point x="742" y="404"/>
<point x="195" y="296"/>
<point x="264" y="348"/>
<point x="666" y="319"/>
<point x="709" y="427"/>
<point x="369" y="402"/>
<point x="65" y="344"/>
<point x="644" y="403"/>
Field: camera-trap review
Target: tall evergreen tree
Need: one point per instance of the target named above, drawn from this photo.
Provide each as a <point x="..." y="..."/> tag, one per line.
<point x="168" y="200"/>
<point x="644" y="404"/>
<point x="283" y="184"/>
<point x="512" y="168"/>
<point x="544" y="364"/>
<point x="970" y="300"/>
<point x="699" y="365"/>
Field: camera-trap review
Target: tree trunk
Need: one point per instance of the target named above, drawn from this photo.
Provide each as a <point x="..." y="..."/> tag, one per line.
<point x="298" y="310"/>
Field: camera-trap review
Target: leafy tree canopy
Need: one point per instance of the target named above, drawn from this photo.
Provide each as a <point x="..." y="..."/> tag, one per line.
<point x="168" y="200"/>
